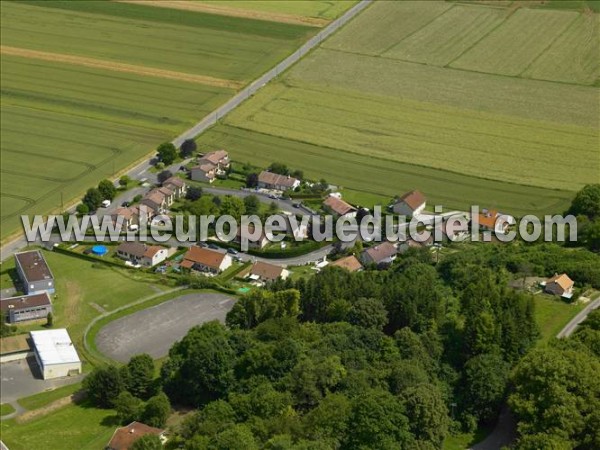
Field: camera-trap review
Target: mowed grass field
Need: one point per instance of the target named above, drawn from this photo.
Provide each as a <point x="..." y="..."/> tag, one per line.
<point x="383" y="107"/>
<point x="328" y="10"/>
<point x="88" y="88"/>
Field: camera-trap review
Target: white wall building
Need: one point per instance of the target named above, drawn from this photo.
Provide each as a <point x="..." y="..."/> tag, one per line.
<point x="55" y="353"/>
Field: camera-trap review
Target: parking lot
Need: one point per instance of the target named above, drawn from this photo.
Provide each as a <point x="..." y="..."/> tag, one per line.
<point x="23" y="378"/>
<point x="155" y="330"/>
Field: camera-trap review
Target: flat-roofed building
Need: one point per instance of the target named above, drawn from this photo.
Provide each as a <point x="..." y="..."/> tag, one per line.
<point x="26" y="307"/>
<point x="34" y="272"/>
<point x="55" y="353"/>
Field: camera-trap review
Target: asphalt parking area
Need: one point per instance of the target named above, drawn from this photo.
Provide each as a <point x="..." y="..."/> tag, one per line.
<point x="154" y="330"/>
<point x="23" y="378"/>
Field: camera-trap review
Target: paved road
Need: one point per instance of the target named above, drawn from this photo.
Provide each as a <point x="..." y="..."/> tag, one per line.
<point x="570" y="327"/>
<point x="142" y="170"/>
<point x="154" y="330"/>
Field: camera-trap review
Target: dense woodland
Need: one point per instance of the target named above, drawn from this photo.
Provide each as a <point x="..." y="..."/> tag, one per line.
<point x="388" y="358"/>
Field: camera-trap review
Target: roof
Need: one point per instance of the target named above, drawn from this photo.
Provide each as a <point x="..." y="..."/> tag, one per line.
<point x="155" y="196"/>
<point x="206" y="167"/>
<point x="126" y="213"/>
<point x="413" y="199"/>
<point x="488" y="218"/>
<point x="54" y="347"/>
<point x="350" y="263"/>
<point x="152" y="250"/>
<point x="175" y="181"/>
<point x="25" y="301"/>
<point x="136" y="249"/>
<point x="381" y="252"/>
<point x="338" y="205"/>
<point x="124" y="437"/>
<point x="276" y="179"/>
<point x="204" y="256"/>
<point x="562" y="280"/>
<point x="165" y="191"/>
<point x="266" y="271"/>
<point x="34" y="265"/>
<point x="215" y="157"/>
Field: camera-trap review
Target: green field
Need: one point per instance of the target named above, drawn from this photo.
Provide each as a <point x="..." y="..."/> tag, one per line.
<point x="381" y="108"/>
<point x="6" y="409"/>
<point x="552" y="315"/>
<point x="66" y="125"/>
<point x="314" y="8"/>
<point x="73" y="427"/>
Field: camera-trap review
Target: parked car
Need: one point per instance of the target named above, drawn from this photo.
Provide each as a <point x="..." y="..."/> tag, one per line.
<point x="105" y="203"/>
<point x="237" y="259"/>
<point x="273" y="196"/>
<point x="202" y="244"/>
<point x="232" y="251"/>
<point x="213" y="246"/>
<point x="125" y="204"/>
<point x="297" y="204"/>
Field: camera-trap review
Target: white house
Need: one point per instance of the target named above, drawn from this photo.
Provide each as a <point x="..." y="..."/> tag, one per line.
<point x="142" y="254"/>
<point x="338" y="207"/>
<point x="206" y="260"/>
<point x="55" y="353"/>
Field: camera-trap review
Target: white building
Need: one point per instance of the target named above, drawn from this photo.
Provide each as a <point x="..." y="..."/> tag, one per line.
<point x="55" y="353"/>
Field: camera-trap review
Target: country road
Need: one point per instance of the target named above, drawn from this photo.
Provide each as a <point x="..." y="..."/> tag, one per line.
<point x="142" y="170"/>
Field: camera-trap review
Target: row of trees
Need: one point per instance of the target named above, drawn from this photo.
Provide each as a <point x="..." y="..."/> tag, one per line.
<point x="93" y="198"/>
<point x="168" y="153"/>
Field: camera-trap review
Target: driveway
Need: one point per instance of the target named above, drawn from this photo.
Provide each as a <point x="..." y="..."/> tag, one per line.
<point x="154" y="330"/>
<point x="23" y="378"/>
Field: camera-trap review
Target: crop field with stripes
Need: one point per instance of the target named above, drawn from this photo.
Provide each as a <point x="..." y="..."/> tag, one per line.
<point x="88" y="88"/>
<point x="452" y="99"/>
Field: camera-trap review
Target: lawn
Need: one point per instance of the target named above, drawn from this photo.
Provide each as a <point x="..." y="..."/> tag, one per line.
<point x="6" y="409"/>
<point x="42" y="399"/>
<point x="127" y="78"/>
<point x="383" y="107"/>
<point x="74" y="427"/>
<point x="552" y="315"/>
<point x="85" y="289"/>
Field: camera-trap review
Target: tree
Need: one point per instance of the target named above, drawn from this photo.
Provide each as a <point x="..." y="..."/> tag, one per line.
<point x="140" y="371"/>
<point x="485" y="379"/>
<point x="252" y="180"/>
<point x="107" y="189"/>
<point x="279" y="168"/>
<point x="164" y="176"/>
<point x="587" y="202"/>
<point x="103" y="386"/>
<point x="200" y="366"/>
<point x="156" y="411"/>
<point x="49" y="319"/>
<point x="298" y="174"/>
<point x="232" y="206"/>
<point x="128" y="407"/>
<point x="92" y="199"/>
<point x="203" y="207"/>
<point x="167" y="153"/>
<point x="193" y="193"/>
<point x="252" y="204"/>
<point x="368" y="313"/>
<point x="83" y="209"/>
<point x="187" y="148"/>
<point x="427" y="413"/>
<point x="259" y="306"/>
<point x="124" y="181"/>
<point x="237" y="437"/>
<point x="147" y="442"/>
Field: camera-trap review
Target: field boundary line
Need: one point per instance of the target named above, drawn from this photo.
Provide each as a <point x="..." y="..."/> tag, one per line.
<point x="387" y="49"/>
<point x="291" y="19"/>
<point x="552" y="41"/>
<point x="120" y="67"/>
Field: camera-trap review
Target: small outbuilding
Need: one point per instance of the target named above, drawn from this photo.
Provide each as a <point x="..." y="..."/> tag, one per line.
<point x="55" y="353"/>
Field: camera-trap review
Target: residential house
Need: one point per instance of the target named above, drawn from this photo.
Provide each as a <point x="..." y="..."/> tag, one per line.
<point x="205" y="172"/>
<point x="34" y="273"/>
<point x="206" y="260"/>
<point x="410" y="204"/>
<point x="381" y="253"/>
<point x="265" y="273"/>
<point x="350" y="263"/>
<point x="158" y="200"/>
<point x="492" y="220"/>
<point x="26" y="307"/>
<point x="124" y="437"/>
<point x="142" y="254"/>
<point x="338" y="207"/>
<point x="177" y="186"/>
<point x="130" y="216"/>
<point x="218" y="158"/>
<point x="560" y="285"/>
<point x="270" y="180"/>
<point x="247" y="233"/>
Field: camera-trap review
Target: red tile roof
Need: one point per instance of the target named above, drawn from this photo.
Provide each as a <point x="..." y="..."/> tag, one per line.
<point x="381" y="252"/>
<point x="203" y="256"/>
<point x="338" y="206"/>
<point x="266" y="271"/>
<point x="276" y="179"/>
<point x="413" y="199"/>
<point x="124" y="437"/>
<point x="350" y="263"/>
<point x="562" y="280"/>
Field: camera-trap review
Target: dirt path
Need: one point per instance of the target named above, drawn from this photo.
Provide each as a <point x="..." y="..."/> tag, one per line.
<point x="51" y="407"/>
<point x="120" y="67"/>
<point x="234" y="12"/>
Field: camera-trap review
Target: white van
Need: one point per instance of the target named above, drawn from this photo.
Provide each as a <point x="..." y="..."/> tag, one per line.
<point x="106" y="203"/>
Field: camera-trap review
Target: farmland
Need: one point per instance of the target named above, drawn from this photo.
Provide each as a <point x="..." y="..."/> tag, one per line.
<point x="88" y="88"/>
<point x="403" y="90"/>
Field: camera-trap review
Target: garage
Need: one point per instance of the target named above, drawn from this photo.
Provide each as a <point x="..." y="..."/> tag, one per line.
<point x="55" y="353"/>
